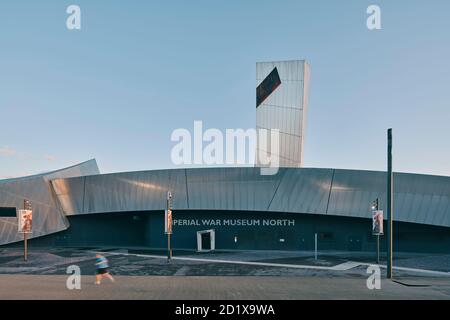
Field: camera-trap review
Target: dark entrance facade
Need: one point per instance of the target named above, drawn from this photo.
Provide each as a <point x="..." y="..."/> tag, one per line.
<point x="243" y="231"/>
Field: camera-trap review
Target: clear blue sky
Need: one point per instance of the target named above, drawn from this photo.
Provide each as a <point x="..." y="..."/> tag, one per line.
<point x="137" y="70"/>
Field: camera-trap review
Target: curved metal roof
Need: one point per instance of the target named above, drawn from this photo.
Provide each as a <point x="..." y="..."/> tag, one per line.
<point x="418" y="198"/>
<point x="48" y="216"/>
<point x="80" y="190"/>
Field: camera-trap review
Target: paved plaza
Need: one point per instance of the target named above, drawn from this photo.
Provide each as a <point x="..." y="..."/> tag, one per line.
<point x="146" y="274"/>
<point x="220" y="288"/>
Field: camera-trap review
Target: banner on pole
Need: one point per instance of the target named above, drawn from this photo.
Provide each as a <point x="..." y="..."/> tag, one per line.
<point x="25" y="220"/>
<point x="168" y="221"/>
<point x="377" y="222"/>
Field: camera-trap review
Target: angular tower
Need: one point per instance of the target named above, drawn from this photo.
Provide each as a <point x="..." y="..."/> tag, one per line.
<point x="281" y="103"/>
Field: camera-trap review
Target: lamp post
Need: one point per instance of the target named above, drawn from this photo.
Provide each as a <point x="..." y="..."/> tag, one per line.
<point x="390" y="203"/>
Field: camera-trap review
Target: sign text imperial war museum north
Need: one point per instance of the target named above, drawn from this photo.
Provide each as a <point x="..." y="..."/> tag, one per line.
<point x="235" y="222"/>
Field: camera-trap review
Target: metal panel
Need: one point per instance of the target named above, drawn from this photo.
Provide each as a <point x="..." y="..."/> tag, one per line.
<point x="135" y="191"/>
<point x="303" y="191"/>
<point x="70" y="195"/>
<point x="47" y="214"/>
<point x="418" y="198"/>
<point x="353" y="191"/>
<point x="285" y="109"/>
<point x="231" y="188"/>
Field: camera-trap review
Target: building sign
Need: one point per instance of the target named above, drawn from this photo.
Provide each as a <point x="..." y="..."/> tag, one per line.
<point x="377" y="222"/>
<point x="25" y="221"/>
<point x="168" y="221"/>
<point x="235" y="222"/>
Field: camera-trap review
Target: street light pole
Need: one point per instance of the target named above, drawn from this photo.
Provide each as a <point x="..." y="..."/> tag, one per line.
<point x="390" y="204"/>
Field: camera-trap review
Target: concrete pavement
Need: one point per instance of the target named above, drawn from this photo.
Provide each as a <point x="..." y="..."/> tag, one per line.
<point x="215" y="288"/>
<point x="222" y="275"/>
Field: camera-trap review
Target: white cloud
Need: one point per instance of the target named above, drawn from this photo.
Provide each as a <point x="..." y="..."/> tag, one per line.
<point x="7" y="151"/>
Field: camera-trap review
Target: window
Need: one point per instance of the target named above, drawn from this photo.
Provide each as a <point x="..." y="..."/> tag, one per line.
<point x="269" y="85"/>
<point x="7" y="212"/>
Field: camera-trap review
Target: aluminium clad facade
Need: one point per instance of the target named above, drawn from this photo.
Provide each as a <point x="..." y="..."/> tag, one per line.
<point x="302" y="194"/>
<point x="282" y="98"/>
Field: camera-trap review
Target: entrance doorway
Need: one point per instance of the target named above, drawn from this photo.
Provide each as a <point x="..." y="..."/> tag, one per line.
<point x="206" y="240"/>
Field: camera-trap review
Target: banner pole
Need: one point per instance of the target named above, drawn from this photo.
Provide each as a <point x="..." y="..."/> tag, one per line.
<point x="25" y="247"/>
<point x="168" y="247"/>
<point x="378" y="249"/>
<point x="25" y="242"/>
<point x="315" y="246"/>
<point x="169" y="225"/>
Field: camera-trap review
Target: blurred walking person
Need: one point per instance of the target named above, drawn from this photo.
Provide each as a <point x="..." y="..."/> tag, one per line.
<point x="101" y="264"/>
